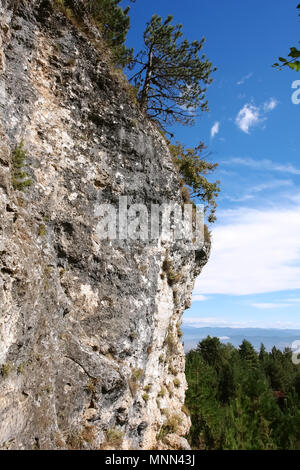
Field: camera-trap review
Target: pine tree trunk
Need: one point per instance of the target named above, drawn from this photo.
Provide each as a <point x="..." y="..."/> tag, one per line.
<point x="146" y="88"/>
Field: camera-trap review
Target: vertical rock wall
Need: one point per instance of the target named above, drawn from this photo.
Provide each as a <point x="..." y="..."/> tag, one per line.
<point x="89" y="349"/>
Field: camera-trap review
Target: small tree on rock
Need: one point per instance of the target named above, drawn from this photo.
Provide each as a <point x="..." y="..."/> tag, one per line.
<point x="171" y="75"/>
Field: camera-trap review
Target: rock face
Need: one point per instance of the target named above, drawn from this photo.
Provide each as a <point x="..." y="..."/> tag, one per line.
<point x="90" y="355"/>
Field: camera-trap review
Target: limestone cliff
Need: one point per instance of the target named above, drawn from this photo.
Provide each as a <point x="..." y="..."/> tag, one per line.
<point x="89" y="352"/>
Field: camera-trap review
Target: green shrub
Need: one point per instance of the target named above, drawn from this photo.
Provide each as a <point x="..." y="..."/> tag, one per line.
<point x="172" y="276"/>
<point x="185" y="410"/>
<point x="171" y="343"/>
<point x="20" y="178"/>
<point x="6" y="369"/>
<point x="145" y="397"/>
<point x="113" y="22"/>
<point x="162" y="392"/>
<point x="176" y="382"/>
<point x="42" y="232"/>
<point x="170" y="426"/>
<point x="179" y="331"/>
<point x="114" y="437"/>
<point x="137" y="374"/>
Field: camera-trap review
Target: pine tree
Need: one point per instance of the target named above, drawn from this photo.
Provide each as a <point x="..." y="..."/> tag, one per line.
<point x="171" y="74"/>
<point x="114" y="22"/>
<point x="193" y="169"/>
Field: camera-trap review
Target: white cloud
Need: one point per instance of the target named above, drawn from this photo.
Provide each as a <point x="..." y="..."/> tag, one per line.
<point x="270" y="105"/>
<point x="251" y="115"/>
<point x="272" y="184"/>
<point x="263" y="164"/>
<point x="198" y="322"/>
<point x="215" y="129"/>
<point x="248" y="117"/>
<point x="254" y="190"/>
<point x="244" y="79"/>
<point x="199" y="298"/>
<point x="253" y="251"/>
<point x="269" y="306"/>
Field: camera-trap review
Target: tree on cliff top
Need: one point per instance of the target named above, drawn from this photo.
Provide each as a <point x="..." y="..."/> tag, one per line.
<point x="294" y="58"/>
<point x="114" y="22"/>
<point x="171" y="74"/>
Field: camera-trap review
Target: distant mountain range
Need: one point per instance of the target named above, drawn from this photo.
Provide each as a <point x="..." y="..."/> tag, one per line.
<point x="235" y="336"/>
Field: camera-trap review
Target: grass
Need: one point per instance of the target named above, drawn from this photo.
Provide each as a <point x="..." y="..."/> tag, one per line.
<point x="179" y="330"/>
<point x="145" y="397"/>
<point x="170" y="342"/>
<point x="137" y="374"/>
<point x="20" y="177"/>
<point x="172" y="370"/>
<point x="161" y="358"/>
<point x="185" y="410"/>
<point x="162" y="392"/>
<point x="170" y="426"/>
<point x="133" y="382"/>
<point x="6" y="369"/>
<point x="90" y="386"/>
<point x="176" y="382"/>
<point x="114" y="437"/>
<point x="42" y="231"/>
<point x="172" y="276"/>
<point x="133" y="335"/>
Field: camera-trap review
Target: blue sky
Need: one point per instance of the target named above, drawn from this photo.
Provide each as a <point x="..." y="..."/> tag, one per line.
<point x="252" y="131"/>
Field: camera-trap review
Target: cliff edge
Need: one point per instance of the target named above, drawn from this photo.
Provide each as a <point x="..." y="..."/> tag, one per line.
<point x="90" y="350"/>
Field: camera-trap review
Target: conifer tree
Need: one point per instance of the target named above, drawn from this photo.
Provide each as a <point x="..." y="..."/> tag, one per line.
<point x="193" y="169"/>
<point x="172" y="75"/>
<point x="114" y="22"/>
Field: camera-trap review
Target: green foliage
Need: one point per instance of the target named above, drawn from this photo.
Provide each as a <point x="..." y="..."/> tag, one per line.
<point x="137" y="374"/>
<point x="172" y="74"/>
<point x="172" y="276"/>
<point x="20" y="177"/>
<point x="293" y="62"/>
<point x="193" y="169"/>
<point x="5" y="370"/>
<point x="114" y="22"/>
<point x="162" y="392"/>
<point x="114" y="437"/>
<point x="176" y="382"/>
<point x="242" y="400"/>
<point x="170" y="426"/>
<point x="145" y="397"/>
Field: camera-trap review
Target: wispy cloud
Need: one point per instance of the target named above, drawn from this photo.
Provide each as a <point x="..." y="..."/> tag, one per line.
<point x="251" y="115"/>
<point x="254" y="251"/>
<point x="215" y="129"/>
<point x="198" y="322"/>
<point x="270" y="105"/>
<point x="199" y="298"/>
<point x="244" y="79"/>
<point x="263" y="164"/>
<point x="248" y="117"/>
<point x="272" y="184"/>
<point x="269" y="306"/>
<point x="253" y="191"/>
